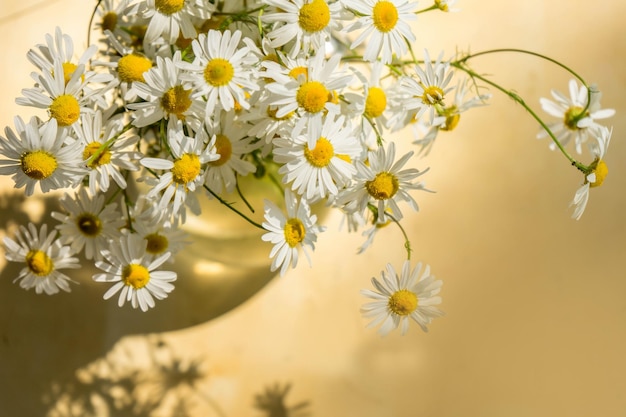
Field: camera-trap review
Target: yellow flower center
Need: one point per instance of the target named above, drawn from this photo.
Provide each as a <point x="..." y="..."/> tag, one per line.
<point x="294" y="232"/>
<point x="68" y="70"/>
<point x="176" y="101"/>
<point x="312" y="96"/>
<point x="224" y="148"/>
<point x="38" y="165"/>
<point x="441" y="6"/>
<point x="376" y="102"/>
<point x="383" y="186"/>
<point x="321" y="155"/>
<point x="344" y="158"/>
<point x="572" y="116"/>
<point x="169" y="6"/>
<point x="432" y="95"/>
<point x="314" y="16"/>
<point x="403" y="302"/>
<point x="39" y="263"/>
<point x="385" y="16"/>
<point x="186" y="168"/>
<point x="156" y="243"/>
<point x="218" y="72"/>
<point x="601" y="170"/>
<point x="65" y="109"/>
<point x="109" y="21"/>
<point x="452" y="118"/>
<point x="132" y="66"/>
<point x="102" y="159"/>
<point x="89" y="224"/>
<point x="135" y="275"/>
<point x="297" y="71"/>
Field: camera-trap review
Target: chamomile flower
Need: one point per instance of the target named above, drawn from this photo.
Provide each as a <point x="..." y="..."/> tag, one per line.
<point x="159" y="233"/>
<point x="112" y="15"/>
<point x="303" y="25"/>
<point x="446" y="5"/>
<point x="575" y="122"/>
<point x="312" y="94"/>
<point x="66" y="101"/>
<point x="383" y="183"/>
<point x="427" y="90"/>
<point x="104" y="153"/>
<point x="88" y="224"/>
<point x="183" y="174"/>
<point x="222" y="70"/>
<point x="387" y="25"/>
<point x="40" y="154"/>
<point x="596" y="172"/>
<point x="134" y="273"/>
<point x="317" y="171"/>
<point x="231" y="143"/>
<point x="452" y="114"/>
<point x="165" y="96"/>
<point x="44" y="258"/>
<point x="169" y="18"/>
<point x="288" y="234"/>
<point x="412" y="294"/>
<point x="60" y="48"/>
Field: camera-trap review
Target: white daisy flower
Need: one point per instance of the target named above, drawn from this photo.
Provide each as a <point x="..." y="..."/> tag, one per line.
<point x="60" y="48"/>
<point x="66" y="101"/>
<point x="222" y="70"/>
<point x="40" y="154"/>
<point x="154" y="226"/>
<point x="574" y="122"/>
<point x="452" y="114"/>
<point x="413" y="294"/>
<point x="312" y="94"/>
<point x="303" y="24"/>
<point x="105" y="151"/>
<point x="134" y="273"/>
<point x="387" y="25"/>
<point x="446" y="5"/>
<point x="88" y="224"/>
<point x="170" y="18"/>
<point x="183" y="174"/>
<point x="317" y="171"/>
<point x="44" y="257"/>
<point x="288" y="234"/>
<point x="428" y="90"/>
<point x="165" y="96"/>
<point x="597" y="172"/>
<point x="383" y="183"/>
<point x="231" y="143"/>
<point x="113" y="14"/>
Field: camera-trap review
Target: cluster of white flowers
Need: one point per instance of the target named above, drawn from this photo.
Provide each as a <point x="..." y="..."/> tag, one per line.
<point x="190" y="96"/>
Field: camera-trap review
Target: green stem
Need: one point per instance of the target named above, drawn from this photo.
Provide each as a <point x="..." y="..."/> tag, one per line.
<point x="230" y="206"/>
<point x="428" y="9"/>
<point x="459" y="65"/>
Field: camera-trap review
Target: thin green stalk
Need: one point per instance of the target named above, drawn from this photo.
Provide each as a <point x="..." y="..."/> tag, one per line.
<point x="230" y="206"/>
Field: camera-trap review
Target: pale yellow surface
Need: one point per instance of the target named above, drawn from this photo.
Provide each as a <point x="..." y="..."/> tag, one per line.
<point x="535" y="301"/>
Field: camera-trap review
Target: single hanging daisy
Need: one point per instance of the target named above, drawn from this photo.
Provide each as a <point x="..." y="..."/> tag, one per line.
<point x="222" y="70"/>
<point x="385" y="23"/>
<point x="165" y="96"/>
<point x="134" y="273"/>
<point x="597" y="172"/>
<point x="301" y="25"/>
<point x="289" y="233"/>
<point x="314" y="172"/>
<point x="105" y="150"/>
<point x="88" y="224"/>
<point x="40" y="154"/>
<point x="575" y="122"/>
<point x="44" y="256"/>
<point x="412" y="294"/>
<point x="383" y="183"/>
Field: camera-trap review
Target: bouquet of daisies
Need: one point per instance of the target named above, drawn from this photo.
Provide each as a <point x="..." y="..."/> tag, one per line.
<point x="185" y="99"/>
